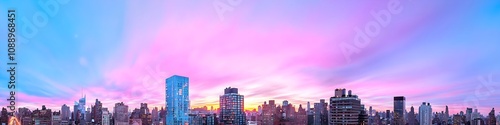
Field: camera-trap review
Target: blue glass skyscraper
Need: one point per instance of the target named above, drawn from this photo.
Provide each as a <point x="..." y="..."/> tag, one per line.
<point x="177" y="99"/>
<point x="81" y="109"/>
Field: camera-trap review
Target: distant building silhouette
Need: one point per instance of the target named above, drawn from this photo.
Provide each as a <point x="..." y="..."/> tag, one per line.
<point x="491" y="117"/>
<point x="412" y="118"/>
<point x="65" y="113"/>
<point x="468" y="116"/>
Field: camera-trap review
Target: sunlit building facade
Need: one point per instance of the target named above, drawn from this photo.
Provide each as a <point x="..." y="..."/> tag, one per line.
<point x="346" y="109"/>
<point x="232" y="107"/>
<point x="177" y="99"/>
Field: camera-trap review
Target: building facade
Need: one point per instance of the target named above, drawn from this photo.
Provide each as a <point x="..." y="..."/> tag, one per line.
<point x="106" y="117"/>
<point x="177" y="98"/>
<point x="42" y="117"/>
<point x="491" y="117"/>
<point x="120" y="114"/>
<point x="269" y="113"/>
<point x="425" y="114"/>
<point x="412" y="118"/>
<point x="4" y="117"/>
<point x="399" y="110"/>
<point x="96" y="113"/>
<point x="320" y="116"/>
<point x="346" y="109"/>
<point x="232" y="107"/>
<point x="56" y="118"/>
<point x="65" y="113"/>
<point x="202" y="119"/>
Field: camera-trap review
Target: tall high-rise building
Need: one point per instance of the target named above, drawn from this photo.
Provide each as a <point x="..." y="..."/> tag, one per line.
<point x="491" y="117"/>
<point x="106" y="117"/>
<point x="232" y="107"/>
<point x="144" y="108"/>
<point x="475" y="114"/>
<point x="79" y="111"/>
<point x="468" y="115"/>
<point x="96" y="113"/>
<point x="387" y="114"/>
<point x="155" y="116"/>
<point x="75" y="116"/>
<point x="346" y="109"/>
<point x="163" y="115"/>
<point x="308" y="107"/>
<point x="288" y="114"/>
<point x="65" y="112"/>
<point x="88" y="116"/>
<point x="120" y="114"/>
<point x="363" y="116"/>
<point x="145" y="115"/>
<point x="301" y="116"/>
<point x="135" y="117"/>
<point x="42" y="117"/>
<point x="399" y="110"/>
<point x="425" y="113"/>
<point x="370" y="116"/>
<point x="412" y="118"/>
<point x="269" y="113"/>
<point x="320" y="113"/>
<point x="376" y="119"/>
<point x="446" y="116"/>
<point x="177" y="98"/>
<point x="4" y="117"/>
<point x="370" y="111"/>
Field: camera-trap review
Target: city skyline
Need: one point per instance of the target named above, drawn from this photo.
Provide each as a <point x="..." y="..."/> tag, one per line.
<point x="344" y="107"/>
<point x="429" y="51"/>
<point x="216" y="107"/>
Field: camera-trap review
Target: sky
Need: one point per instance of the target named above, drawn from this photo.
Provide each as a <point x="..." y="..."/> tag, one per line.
<point x="442" y="52"/>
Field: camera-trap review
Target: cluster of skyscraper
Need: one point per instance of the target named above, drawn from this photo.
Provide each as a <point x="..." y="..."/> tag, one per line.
<point x="399" y="116"/>
<point x="96" y="115"/>
<point x="343" y="108"/>
<point x="426" y="116"/>
<point x="231" y="106"/>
